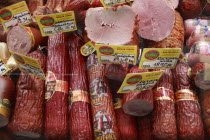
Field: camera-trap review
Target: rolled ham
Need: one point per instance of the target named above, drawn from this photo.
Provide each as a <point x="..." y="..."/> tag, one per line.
<point x="201" y="33"/>
<point x="175" y="39"/>
<point x="157" y="18"/>
<point x="110" y="25"/>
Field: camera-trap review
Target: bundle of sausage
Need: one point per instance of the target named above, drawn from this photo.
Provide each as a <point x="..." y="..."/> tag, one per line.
<point x="188" y="113"/>
<point x="28" y="116"/>
<point x="80" y="113"/>
<point x="104" y="121"/>
<point x="56" y="96"/>
<point x="163" y="115"/>
<point x="138" y="103"/>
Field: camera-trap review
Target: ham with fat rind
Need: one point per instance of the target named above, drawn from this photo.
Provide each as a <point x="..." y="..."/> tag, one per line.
<point x="157" y="18"/>
<point x="113" y="26"/>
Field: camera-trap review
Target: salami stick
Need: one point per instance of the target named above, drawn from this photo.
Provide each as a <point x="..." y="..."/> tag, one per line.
<point x="104" y="121"/>
<point x="163" y="115"/>
<point x="29" y="108"/>
<point x="188" y="114"/>
<point x="56" y="96"/>
<point x="80" y="113"/>
<point x="145" y="128"/>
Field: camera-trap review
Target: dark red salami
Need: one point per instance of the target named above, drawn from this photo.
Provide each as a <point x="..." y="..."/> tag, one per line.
<point x="188" y="112"/>
<point x="56" y="95"/>
<point x="104" y="121"/>
<point x="145" y="128"/>
<point x="29" y="102"/>
<point x="80" y="113"/>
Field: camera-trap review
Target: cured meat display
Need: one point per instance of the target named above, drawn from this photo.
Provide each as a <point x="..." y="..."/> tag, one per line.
<point x="86" y="95"/>
<point x="138" y="103"/>
<point x="127" y="124"/>
<point x="188" y="113"/>
<point x="163" y="115"/>
<point x="80" y="113"/>
<point x="23" y="40"/>
<point x="56" y="95"/>
<point x="104" y="121"/>
<point x="27" y="119"/>
<point x="7" y="95"/>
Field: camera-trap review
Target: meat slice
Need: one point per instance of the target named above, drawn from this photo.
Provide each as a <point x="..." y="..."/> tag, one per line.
<point x="110" y="25"/>
<point x="157" y="18"/>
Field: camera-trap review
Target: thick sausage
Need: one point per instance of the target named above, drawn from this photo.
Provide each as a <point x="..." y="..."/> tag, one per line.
<point x="104" y="121"/>
<point x="138" y="103"/>
<point x="116" y="71"/>
<point x="29" y="102"/>
<point x="80" y="113"/>
<point x="22" y="39"/>
<point x="188" y="113"/>
<point x="7" y="95"/>
<point x="56" y="96"/>
<point x="127" y="124"/>
<point x="163" y="115"/>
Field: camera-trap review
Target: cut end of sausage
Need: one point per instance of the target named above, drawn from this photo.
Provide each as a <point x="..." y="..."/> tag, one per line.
<point x="3" y="121"/>
<point x="137" y="107"/>
<point x="28" y="134"/>
<point x="19" y="40"/>
<point x="109" y="25"/>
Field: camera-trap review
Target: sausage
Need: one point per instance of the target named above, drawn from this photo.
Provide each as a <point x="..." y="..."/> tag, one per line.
<point x="3" y="34"/>
<point x="188" y="113"/>
<point x="200" y="75"/>
<point x="56" y="95"/>
<point x="23" y="40"/>
<point x="7" y="95"/>
<point x="190" y="8"/>
<point x="80" y="113"/>
<point x="138" y="103"/>
<point x="163" y="115"/>
<point x="206" y="10"/>
<point x="116" y="71"/>
<point x="145" y="128"/>
<point x="29" y="102"/>
<point x="127" y="124"/>
<point x="175" y="39"/>
<point x="104" y="121"/>
<point x="33" y="4"/>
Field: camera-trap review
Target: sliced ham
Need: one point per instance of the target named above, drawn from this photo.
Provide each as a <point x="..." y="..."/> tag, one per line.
<point x="173" y="3"/>
<point x="201" y="33"/>
<point x="113" y="26"/>
<point x="157" y="18"/>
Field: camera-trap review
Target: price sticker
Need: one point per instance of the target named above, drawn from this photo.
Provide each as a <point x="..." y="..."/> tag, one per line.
<point x="116" y="54"/>
<point x="87" y="49"/>
<point x="3" y="68"/>
<point x="29" y="65"/>
<point x="55" y="23"/>
<point x="154" y="58"/>
<point x="108" y="3"/>
<point x="16" y="14"/>
<point x="139" y="81"/>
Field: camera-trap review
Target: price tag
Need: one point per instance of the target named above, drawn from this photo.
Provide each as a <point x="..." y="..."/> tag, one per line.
<point x="139" y="81"/>
<point x="3" y="68"/>
<point x="108" y="3"/>
<point x="55" y="23"/>
<point x="116" y="54"/>
<point x="161" y="58"/>
<point x="29" y="65"/>
<point x="87" y="49"/>
<point x="16" y="14"/>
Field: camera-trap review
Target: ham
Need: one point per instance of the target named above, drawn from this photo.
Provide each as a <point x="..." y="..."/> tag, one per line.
<point x="110" y="25"/>
<point x="201" y="33"/>
<point x="173" y="3"/>
<point x="157" y="18"/>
